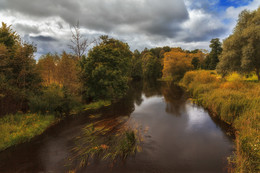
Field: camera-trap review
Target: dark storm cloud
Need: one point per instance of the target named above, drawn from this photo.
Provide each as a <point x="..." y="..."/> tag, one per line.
<point x="42" y="38"/>
<point x="142" y="16"/>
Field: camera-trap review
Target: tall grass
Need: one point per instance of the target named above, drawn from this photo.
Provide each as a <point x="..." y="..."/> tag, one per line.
<point x="236" y="101"/>
<point x="19" y="128"/>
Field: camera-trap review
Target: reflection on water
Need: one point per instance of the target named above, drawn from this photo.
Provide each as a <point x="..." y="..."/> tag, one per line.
<point x="178" y="136"/>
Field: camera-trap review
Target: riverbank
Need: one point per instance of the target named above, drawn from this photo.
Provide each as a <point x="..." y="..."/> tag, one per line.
<point x="236" y="102"/>
<point x="19" y="128"/>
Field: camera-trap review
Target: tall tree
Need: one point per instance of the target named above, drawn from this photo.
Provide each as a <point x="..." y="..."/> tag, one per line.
<point x="79" y="44"/>
<point x="106" y="70"/>
<point x="136" y="71"/>
<point x="241" y="50"/>
<point x="47" y="66"/>
<point x="151" y="66"/>
<point x="18" y="73"/>
<point x="67" y="73"/>
<point x="216" y="49"/>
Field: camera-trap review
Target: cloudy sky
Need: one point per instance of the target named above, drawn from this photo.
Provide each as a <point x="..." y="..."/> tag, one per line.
<point x="190" y="24"/>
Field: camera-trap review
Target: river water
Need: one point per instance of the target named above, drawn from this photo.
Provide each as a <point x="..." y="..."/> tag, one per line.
<point x="178" y="136"/>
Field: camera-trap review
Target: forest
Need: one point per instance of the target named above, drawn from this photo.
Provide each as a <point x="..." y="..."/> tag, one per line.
<point x="37" y="94"/>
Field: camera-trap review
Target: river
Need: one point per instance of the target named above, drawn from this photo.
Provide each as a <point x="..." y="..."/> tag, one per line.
<point x="178" y="136"/>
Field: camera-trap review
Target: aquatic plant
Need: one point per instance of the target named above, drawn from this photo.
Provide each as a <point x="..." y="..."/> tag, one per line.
<point x="109" y="140"/>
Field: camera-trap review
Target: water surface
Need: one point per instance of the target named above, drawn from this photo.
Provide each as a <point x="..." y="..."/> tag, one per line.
<point x="178" y="136"/>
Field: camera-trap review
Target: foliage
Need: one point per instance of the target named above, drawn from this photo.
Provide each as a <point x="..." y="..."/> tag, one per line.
<point x="60" y="69"/>
<point x="178" y="61"/>
<point x="195" y="62"/>
<point x="53" y="100"/>
<point x="48" y="69"/>
<point x="68" y="73"/>
<point x="241" y="49"/>
<point x="137" y="70"/>
<point x="236" y="102"/>
<point x="213" y="57"/>
<point x="106" y="71"/>
<point x="18" y="74"/>
<point x="19" y="128"/>
<point x="151" y="66"/>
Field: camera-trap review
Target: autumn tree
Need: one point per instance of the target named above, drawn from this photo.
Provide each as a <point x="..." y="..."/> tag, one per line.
<point x="106" y="70"/>
<point x="178" y="61"/>
<point x="67" y="74"/>
<point x="47" y="65"/>
<point x="241" y="51"/>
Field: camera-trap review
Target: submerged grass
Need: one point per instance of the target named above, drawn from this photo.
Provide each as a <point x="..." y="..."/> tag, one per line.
<point x="237" y="102"/>
<point x="108" y="140"/>
<point x="19" y="128"/>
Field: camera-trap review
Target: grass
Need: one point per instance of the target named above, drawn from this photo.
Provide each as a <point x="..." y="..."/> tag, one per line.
<point x="235" y="100"/>
<point x="19" y="128"/>
<point x="108" y="140"/>
<point x="97" y="104"/>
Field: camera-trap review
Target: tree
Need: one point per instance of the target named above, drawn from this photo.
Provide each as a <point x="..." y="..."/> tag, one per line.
<point x="106" y="70"/>
<point x="137" y="71"/>
<point x="241" y="51"/>
<point x="78" y="44"/>
<point x="195" y="62"/>
<point x="18" y="74"/>
<point x="47" y="66"/>
<point x="68" y="73"/>
<point x="213" y="57"/>
<point x="178" y="61"/>
<point x="151" y="66"/>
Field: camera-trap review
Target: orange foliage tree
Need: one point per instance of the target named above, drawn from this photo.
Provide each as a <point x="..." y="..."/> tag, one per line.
<point x="178" y="61"/>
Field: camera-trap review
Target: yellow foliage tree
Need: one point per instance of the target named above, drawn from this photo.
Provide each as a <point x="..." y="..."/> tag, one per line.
<point x="178" y="61"/>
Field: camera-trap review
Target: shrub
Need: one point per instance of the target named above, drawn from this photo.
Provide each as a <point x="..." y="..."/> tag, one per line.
<point x="53" y="100"/>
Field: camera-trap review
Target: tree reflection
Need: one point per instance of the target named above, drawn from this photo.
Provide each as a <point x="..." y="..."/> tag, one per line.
<point x="174" y="98"/>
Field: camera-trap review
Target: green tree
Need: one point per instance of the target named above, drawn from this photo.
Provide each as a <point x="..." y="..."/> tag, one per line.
<point x="151" y="65"/>
<point x="18" y="73"/>
<point x="106" y="70"/>
<point x="241" y="51"/>
<point x="195" y="62"/>
<point x="137" y="71"/>
<point x="214" y="54"/>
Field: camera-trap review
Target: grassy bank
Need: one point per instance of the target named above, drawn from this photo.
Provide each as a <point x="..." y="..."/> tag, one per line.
<point x="236" y="101"/>
<point x="19" y="128"/>
<point x="96" y="105"/>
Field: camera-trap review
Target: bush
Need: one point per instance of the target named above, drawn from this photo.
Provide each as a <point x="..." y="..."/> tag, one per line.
<point x="53" y="100"/>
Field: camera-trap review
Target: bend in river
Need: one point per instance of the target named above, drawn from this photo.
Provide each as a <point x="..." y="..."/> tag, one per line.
<point x="178" y="136"/>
